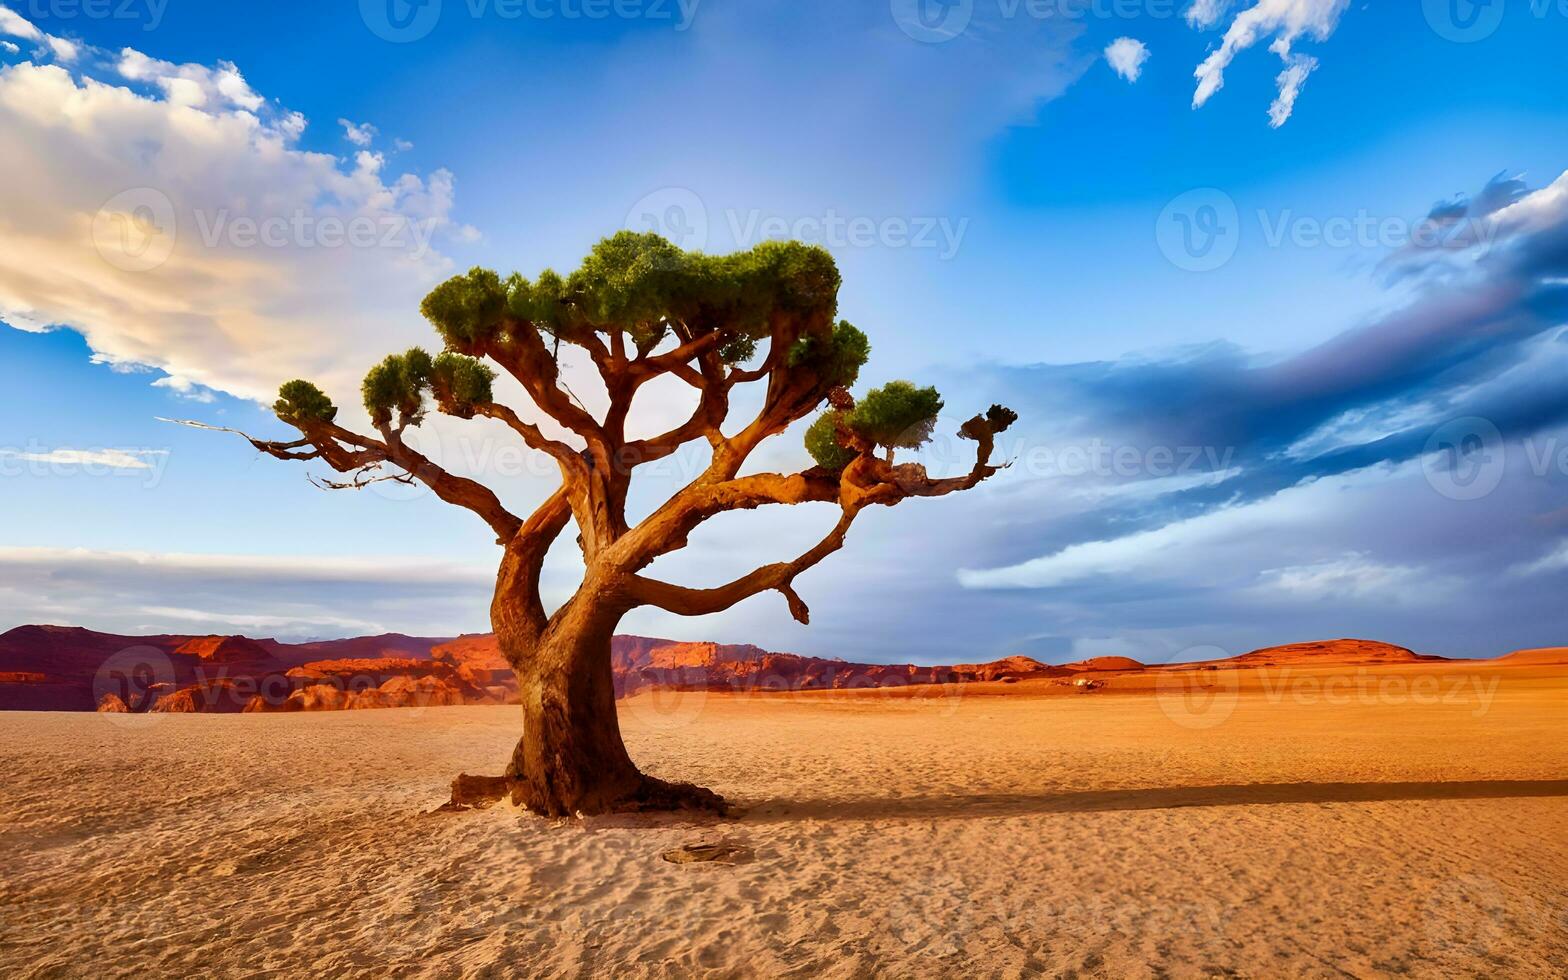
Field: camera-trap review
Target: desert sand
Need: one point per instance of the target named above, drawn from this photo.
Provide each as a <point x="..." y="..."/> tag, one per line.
<point x="1319" y="822"/>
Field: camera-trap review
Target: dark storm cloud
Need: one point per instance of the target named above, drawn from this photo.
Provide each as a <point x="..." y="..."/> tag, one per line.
<point x="1479" y="333"/>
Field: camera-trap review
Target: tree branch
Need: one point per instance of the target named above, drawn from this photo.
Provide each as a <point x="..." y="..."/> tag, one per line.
<point x="330" y="443"/>
<point x="520" y="572"/>
<point x="779" y="577"/>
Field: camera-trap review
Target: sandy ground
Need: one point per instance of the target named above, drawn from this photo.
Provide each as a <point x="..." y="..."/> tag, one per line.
<point x="1368" y="827"/>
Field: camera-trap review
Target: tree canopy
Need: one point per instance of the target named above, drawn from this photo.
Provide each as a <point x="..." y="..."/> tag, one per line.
<point x="641" y="308"/>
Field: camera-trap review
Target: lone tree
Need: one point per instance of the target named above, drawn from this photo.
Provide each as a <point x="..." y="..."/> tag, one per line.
<point x="641" y="308"/>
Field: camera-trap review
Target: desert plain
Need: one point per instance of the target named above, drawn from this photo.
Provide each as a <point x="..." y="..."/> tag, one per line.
<point x="1296" y="821"/>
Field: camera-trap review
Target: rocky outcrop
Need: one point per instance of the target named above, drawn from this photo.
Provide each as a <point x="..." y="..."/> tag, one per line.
<point x="346" y="685"/>
<point x="225" y="696"/>
<point x="1336" y="652"/>
<point x="239" y="653"/>
<point x="112" y="704"/>
<point x="1094" y="664"/>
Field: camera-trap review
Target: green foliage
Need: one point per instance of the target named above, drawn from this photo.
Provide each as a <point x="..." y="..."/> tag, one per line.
<point x="1000" y="418"/>
<point x="822" y="441"/>
<point x="637" y="284"/>
<point x="460" y="383"/>
<point x="466" y="309"/>
<point x="300" y="401"/>
<point x="738" y="351"/>
<point x="839" y="358"/>
<point x="398" y="384"/>
<point x="542" y="302"/>
<point x="897" y="415"/>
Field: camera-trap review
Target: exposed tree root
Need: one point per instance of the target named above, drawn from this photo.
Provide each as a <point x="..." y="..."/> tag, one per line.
<point x="650" y="796"/>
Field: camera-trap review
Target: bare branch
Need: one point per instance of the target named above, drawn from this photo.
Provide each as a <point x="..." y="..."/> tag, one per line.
<point x="779" y="577"/>
<point x="349" y="452"/>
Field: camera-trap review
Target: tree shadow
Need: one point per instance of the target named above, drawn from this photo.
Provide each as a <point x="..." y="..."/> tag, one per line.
<point x="1152" y="798"/>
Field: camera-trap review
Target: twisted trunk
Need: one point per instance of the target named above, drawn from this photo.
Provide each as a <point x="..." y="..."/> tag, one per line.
<point x="571" y="759"/>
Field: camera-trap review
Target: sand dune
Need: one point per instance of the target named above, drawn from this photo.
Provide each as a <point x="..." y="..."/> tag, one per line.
<point x="1411" y="825"/>
<point x="1548" y="655"/>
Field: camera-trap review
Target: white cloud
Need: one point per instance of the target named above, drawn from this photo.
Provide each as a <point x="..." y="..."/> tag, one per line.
<point x="191" y="85"/>
<point x="182" y="387"/>
<point x="360" y="134"/>
<point x="289" y="596"/>
<point x="13" y="24"/>
<point x="109" y="459"/>
<point x="1353" y="578"/>
<point x="1126" y="56"/>
<point x="1226" y="538"/>
<point x="1204" y="14"/>
<point x="402" y="145"/>
<point x="1284" y="20"/>
<point x="1555" y="560"/>
<point x="124" y="216"/>
<point x="1290" y="82"/>
<point x="63" y="50"/>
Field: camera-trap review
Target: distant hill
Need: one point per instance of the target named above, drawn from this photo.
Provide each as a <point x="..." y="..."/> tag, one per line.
<point x="67" y="668"/>
<point x="1545" y="655"/>
<point x="1348" y="652"/>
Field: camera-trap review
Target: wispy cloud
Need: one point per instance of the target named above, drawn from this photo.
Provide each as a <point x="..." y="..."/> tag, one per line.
<point x="112" y="459"/>
<point x="360" y="134"/>
<point x="1286" y="21"/>
<point x="289" y="596"/>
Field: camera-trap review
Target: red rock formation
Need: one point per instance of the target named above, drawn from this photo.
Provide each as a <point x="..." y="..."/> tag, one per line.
<point x="231" y="651"/>
<point x="112" y="704"/>
<point x="1105" y="663"/>
<point x="225" y="696"/>
<point x="1347" y="652"/>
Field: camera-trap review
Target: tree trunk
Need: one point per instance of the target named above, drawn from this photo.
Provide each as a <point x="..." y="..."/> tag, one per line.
<point x="571" y="759"/>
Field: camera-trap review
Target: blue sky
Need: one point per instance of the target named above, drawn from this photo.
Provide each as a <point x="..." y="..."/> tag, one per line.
<point x="1021" y="208"/>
